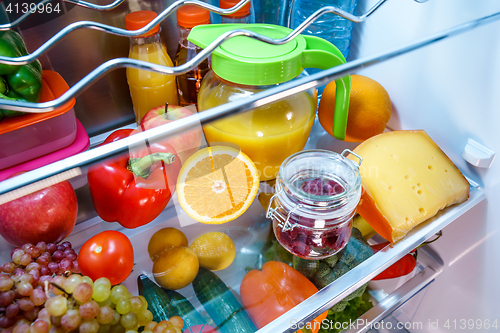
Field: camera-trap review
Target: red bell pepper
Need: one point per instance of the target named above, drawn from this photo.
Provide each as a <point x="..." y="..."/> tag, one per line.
<point x="269" y="293"/>
<point x="134" y="189"/>
<point x="400" y="268"/>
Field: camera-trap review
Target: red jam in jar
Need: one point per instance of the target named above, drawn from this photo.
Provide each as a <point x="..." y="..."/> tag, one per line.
<point x="317" y="192"/>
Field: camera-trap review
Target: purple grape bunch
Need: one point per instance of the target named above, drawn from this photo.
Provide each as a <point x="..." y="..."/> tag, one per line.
<point x="22" y="281"/>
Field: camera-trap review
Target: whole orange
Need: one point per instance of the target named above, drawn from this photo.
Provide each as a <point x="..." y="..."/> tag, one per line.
<point x="176" y="267"/>
<point x="370" y="109"/>
<point x="215" y="250"/>
<point x="164" y="239"/>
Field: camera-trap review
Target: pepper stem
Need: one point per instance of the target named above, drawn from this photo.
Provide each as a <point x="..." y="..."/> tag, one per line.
<point x="142" y="166"/>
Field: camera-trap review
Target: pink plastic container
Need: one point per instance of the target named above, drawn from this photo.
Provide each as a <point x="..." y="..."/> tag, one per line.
<point x="80" y="144"/>
<point x="34" y="135"/>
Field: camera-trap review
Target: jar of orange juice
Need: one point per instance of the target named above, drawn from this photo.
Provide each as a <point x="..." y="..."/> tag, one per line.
<point x="243" y="66"/>
<point x="148" y="89"/>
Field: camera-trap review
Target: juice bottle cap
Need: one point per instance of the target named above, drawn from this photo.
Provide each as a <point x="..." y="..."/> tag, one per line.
<point x="225" y="4"/>
<point x="189" y="16"/>
<point x="139" y="19"/>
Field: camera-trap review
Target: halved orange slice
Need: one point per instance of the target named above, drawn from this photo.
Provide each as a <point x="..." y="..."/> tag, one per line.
<point x="217" y="184"/>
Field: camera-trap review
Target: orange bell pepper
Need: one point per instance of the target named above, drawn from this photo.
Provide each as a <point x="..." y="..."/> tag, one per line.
<point x="269" y="293"/>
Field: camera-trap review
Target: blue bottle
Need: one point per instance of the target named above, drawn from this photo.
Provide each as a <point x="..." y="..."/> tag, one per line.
<point x="331" y="27"/>
<point x="335" y="29"/>
<point x="271" y="11"/>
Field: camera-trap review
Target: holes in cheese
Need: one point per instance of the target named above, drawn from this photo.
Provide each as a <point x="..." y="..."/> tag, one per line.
<point x="404" y="192"/>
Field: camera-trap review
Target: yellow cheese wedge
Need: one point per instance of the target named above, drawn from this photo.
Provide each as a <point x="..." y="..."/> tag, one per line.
<point x="406" y="180"/>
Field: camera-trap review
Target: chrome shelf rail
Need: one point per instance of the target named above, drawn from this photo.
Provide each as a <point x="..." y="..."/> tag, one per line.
<point x="132" y="33"/>
<point x="42" y="3"/>
<point x="262" y="98"/>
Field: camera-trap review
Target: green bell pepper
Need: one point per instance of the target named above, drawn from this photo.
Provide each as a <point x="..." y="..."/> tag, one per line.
<point x="18" y="82"/>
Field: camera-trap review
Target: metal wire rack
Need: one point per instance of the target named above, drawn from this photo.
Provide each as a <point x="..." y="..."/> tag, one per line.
<point x="110" y="65"/>
<point x="34" y="9"/>
<point x="162" y="16"/>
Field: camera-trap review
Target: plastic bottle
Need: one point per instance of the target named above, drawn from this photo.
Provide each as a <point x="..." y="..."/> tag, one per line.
<point x="189" y="16"/>
<point x="244" y="15"/>
<point x="271" y="11"/>
<point x="329" y="26"/>
<point x="148" y="89"/>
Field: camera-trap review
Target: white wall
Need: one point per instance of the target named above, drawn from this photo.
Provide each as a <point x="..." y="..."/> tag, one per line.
<point x="451" y="90"/>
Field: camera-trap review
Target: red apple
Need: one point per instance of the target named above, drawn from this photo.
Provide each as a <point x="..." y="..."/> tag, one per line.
<point x="47" y="215"/>
<point x="185" y="144"/>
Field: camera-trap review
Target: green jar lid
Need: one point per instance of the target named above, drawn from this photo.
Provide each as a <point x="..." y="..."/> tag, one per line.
<point x="245" y="60"/>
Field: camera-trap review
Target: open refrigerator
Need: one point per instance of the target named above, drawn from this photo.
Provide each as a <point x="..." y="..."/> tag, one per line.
<point x="437" y="60"/>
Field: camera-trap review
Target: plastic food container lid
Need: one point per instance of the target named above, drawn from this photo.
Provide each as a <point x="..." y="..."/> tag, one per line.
<point x="80" y="144"/>
<point x="139" y="19"/>
<point x="190" y="16"/>
<point x="225" y="4"/>
<point x="53" y="86"/>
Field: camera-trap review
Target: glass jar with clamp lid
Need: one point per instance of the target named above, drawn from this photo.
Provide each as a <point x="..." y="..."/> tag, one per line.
<point x="317" y="192"/>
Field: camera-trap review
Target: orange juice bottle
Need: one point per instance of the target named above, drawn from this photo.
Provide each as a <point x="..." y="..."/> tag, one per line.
<point x="148" y="89"/>
<point x="188" y="84"/>
<point x="244" y="15"/>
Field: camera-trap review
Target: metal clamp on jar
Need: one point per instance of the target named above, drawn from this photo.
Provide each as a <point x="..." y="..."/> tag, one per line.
<point x="317" y="192"/>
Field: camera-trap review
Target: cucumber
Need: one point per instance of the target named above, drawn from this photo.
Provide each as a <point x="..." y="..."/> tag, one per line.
<point x="228" y="314"/>
<point x="158" y="302"/>
<point x="164" y="303"/>
<point x="180" y="306"/>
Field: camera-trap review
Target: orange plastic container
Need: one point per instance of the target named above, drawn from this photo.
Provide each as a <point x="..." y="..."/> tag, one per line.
<point x="33" y="135"/>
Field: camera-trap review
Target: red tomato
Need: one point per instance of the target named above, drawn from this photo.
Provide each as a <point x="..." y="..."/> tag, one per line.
<point x="109" y="254"/>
